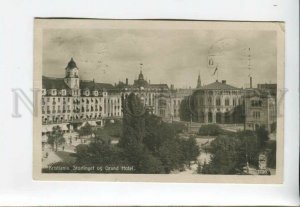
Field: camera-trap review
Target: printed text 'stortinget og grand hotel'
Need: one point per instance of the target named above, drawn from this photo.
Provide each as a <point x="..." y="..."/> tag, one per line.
<point x="70" y="102"/>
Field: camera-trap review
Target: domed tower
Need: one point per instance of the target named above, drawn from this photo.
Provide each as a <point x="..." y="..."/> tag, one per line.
<point x="72" y="75"/>
<point x="141" y="76"/>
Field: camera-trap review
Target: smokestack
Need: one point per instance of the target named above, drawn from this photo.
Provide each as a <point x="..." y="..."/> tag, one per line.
<point x="250" y="81"/>
<point x="127" y="81"/>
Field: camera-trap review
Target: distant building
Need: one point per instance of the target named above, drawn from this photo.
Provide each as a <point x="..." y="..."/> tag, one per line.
<point x="216" y="103"/>
<point x="158" y="98"/>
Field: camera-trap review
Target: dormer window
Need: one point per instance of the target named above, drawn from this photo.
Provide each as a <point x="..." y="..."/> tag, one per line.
<point x="63" y="92"/>
<point x="53" y="92"/>
<point x="95" y="93"/>
<point x="86" y="92"/>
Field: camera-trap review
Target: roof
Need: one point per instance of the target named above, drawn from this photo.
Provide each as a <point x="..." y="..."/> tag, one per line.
<point x="159" y="86"/>
<point x="218" y="86"/>
<point x="91" y="85"/>
<point x="54" y="83"/>
<point x="71" y="64"/>
<point x="256" y="92"/>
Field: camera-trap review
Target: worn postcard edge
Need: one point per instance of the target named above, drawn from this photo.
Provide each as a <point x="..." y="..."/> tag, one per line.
<point x="40" y="24"/>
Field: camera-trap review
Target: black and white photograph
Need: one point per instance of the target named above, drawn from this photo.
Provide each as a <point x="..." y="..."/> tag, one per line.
<point x="188" y="99"/>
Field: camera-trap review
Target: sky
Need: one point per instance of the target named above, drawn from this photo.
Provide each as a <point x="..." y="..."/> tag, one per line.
<point x="167" y="56"/>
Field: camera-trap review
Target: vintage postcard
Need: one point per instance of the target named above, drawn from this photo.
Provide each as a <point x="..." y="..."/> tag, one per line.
<point x="158" y="101"/>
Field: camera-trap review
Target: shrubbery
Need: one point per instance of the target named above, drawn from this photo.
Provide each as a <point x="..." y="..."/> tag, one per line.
<point x="210" y="130"/>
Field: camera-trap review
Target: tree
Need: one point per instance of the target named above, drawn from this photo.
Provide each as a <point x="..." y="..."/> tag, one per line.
<point x="56" y="137"/>
<point x="231" y="152"/>
<point x="99" y="154"/>
<point x="171" y="155"/>
<point x="133" y="121"/>
<point x="187" y="109"/>
<point x="225" y="157"/>
<point x="262" y="136"/>
<point x="190" y="150"/>
<point x="86" y="130"/>
<point x="101" y="135"/>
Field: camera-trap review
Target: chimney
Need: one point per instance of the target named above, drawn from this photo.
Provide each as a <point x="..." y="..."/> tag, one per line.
<point x="127" y="81"/>
<point x="224" y="81"/>
<point x="250" y="81"/>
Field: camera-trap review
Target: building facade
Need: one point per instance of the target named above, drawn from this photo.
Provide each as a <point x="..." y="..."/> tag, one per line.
<point x="158" y="98"/>
<point x="70" y="101"/>
<point x="260" y="108"/>
<point x="217" y="103"/>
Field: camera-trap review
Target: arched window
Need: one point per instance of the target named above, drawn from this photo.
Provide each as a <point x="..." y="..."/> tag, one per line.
<point x="227" y="102"/>
<point x="209" y="100"/>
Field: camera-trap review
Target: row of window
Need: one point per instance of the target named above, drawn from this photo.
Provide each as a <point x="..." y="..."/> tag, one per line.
<point x="46" y="119"/>
<point x="219" y="92"/>
<point x="63" y="92"/>
<point x="235" y="102"/>
<point x="78" y="101"/>
<point x="256" y="114"/>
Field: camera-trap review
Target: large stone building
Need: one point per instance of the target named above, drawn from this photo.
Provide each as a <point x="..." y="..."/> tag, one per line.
<point x="260" y="107"/>
<point x="70" y="101"/>
<point x="158" y="98"/>
<point x="217" y="103"/>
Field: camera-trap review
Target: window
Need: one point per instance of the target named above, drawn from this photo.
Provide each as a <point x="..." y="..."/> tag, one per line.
<point x="256" y="114"/>
<point x="226" y="102"/>
<point x="218" y="101"/>
<point x="256" y="103"/>
<point x="209" y="100"/>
